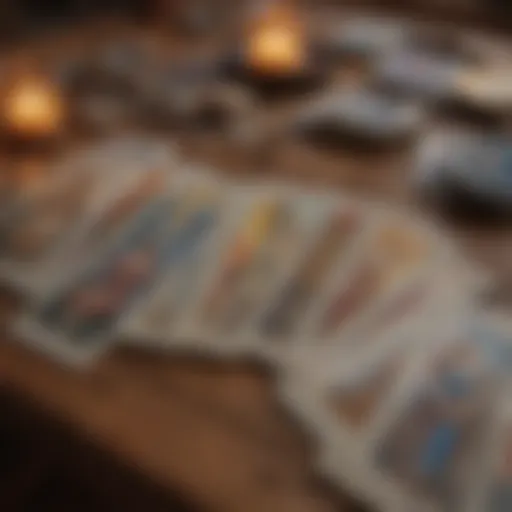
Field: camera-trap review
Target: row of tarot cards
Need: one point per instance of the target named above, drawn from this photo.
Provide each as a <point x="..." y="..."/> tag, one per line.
<point x="124" y="242"/>
<point x="367" y="313"/>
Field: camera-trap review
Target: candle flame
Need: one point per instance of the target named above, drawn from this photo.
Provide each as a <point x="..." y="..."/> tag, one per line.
<point x="33" y="108"/>
<point x="276" y="44"/>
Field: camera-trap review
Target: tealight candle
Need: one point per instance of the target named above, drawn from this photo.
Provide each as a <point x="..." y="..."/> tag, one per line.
<point x="276" y="44"/>
<point x="33" y="109"/>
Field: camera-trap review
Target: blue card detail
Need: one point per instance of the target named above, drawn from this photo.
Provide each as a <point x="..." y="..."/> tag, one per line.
<point x="438" y="450"/>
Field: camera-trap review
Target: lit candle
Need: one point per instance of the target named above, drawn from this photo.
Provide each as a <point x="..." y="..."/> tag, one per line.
<point x="276" y="44"/>
<point x="33" y="109"/>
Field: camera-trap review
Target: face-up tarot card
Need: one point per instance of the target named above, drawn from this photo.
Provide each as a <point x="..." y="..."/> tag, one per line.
<point x="77" y="214"/>
<point x="156" y="321"/>
<point x="392" y="255"/>
<point x="294" y="300"/>
<point x="82" y="314"/>
<point x="436" y="437"/>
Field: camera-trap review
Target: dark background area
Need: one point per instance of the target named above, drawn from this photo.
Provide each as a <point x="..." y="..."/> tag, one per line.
<point x="45" y="468"/>
<point x="27" y="18"/>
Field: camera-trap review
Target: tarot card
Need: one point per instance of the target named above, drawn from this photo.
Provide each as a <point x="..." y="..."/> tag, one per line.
<point x="72" y="322"/>
<point x="256" y="228"/>
<point x="155" y="321"/>
<point x="438" y="428"/>
<point x="99" y="230"/>
<point x="76" y="216"/>
<point x="409" y="320"/>
<point x="407" y="324"/>
<point x="436" y="295"/>
<point x="335" y="244"/>
<point x="356" y="402"/>
<point x="247" y="253"/>
<point x="393" y="254"/>
<point x="495" y="495"/>
<point x="253" y="247"/>
<point x="350" y="395"/>
<point x="340" y="408"/>
<point x="85" y="310"/>
<point x="45" y="229"/>
<point x="295" y="219"/>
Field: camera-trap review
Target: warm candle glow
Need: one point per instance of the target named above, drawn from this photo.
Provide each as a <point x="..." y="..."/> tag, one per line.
<point x="276" y="45"/>
<point x="33" y="108"/>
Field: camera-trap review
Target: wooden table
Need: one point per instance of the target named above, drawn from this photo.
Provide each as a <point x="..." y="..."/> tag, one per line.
<point x="214" y="430"/>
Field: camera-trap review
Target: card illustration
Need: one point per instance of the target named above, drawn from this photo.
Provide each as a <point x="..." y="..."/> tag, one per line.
<point x="294" y="300"/>
<point x="390" y="256"/>
<point x="255" y="231"/>
<point x="436" y="440"/>
<point x="356" y="403"/>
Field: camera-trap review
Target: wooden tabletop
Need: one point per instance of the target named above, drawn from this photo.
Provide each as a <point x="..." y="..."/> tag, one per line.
<point x="211" y="429"/>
